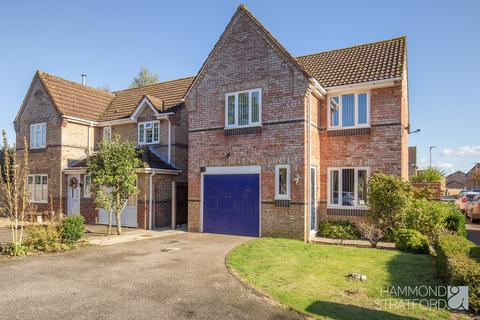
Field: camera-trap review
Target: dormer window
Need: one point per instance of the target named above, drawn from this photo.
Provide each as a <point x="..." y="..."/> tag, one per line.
<point x="243" y="109"/>
<point x="148" y="132"/>
<point x="349" y="111"/>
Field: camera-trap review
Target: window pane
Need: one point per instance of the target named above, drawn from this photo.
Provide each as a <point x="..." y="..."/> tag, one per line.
<point x="142" y="133"/>
<point x="38" y="179"/>
<point x="282" y="181"/>
<point x="255" y="106"/>
<point x="231" y="110"/>
<point x="334" y="111"/>
<point x="155" y="131"/>
<point x="32" y="136"/>
<point x="334" y="187"/>
<point x="348" y="176"/>
<point x="348" y="110"/>
<point x="243" y="108"/>
<point x="44" y="179"/>
<point x="38" y="135"/>
<point x="44" y="192"/>
<point x="362" y="108"/>
<point x="148" y="135"/>
<point x="44" y="134"/>
<point x="362" y="187"/>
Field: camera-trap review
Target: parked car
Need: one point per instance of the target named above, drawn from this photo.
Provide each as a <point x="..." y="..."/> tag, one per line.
<point x="463" y="200"/>
<point x="472" y="209"/>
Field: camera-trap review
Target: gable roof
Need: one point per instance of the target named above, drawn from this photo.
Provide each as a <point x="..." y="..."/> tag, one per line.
<point x="163" y="96"/>
<point x="368" y="62"/>
<point x="73" y="99"/>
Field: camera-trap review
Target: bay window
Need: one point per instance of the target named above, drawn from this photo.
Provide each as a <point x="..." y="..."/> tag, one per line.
<point x="243" y="108"/>
<point x="148" y="132"/>
<point x="38" y="135"/>
<point x="349" y="111"/>
<point x="282" y="182"/>
<point x="37" y="187"/>
<point x="347" y="187"/>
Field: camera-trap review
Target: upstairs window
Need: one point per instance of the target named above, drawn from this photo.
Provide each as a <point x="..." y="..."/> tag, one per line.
<point x="107" y="133"/>
<point x="282" y="182"/>
<point x="38" y="135"/>
<point x="37" y="187"/>
<point x="347" y="187"/>
<point x="243" y="108"/>
<point x="148" y="132"/>
<point x="349" y="111"/>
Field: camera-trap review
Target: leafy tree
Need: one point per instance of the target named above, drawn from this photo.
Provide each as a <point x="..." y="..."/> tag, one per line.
<point x="144" y="78"/>
<point x="13" y="192"/>
<point x="430" y="175"/>
<point x="112" y="176"/>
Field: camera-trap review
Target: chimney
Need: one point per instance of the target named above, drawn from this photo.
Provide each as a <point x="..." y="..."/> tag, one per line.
<point x="84" y="78"/>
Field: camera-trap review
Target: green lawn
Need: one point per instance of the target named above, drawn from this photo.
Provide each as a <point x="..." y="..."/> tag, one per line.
<point x="312" y="278"/>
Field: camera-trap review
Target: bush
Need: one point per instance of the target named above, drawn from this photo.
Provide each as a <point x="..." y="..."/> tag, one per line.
<point x="455" y="222"/>
<point x="338" y="230"/>
<point x="411" y="241"/>
<point x="431" y="175"/>
<point x="457" y="262"/>
<point x="389" y="198"/>
<point x="13" y="250"/>
<point x="73" y="228"/>
<point x="371" y="232"/>
<point x="45" y="238"/>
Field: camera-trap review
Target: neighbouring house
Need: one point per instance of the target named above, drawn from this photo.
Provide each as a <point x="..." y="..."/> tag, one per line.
<point x="277" y="142"/>
<point x="456" y="181"/>
<point x="473" y="177"/>
<point x="268" y="143"/>
<point x="64" y="120"/>
<point x="412" y="161"/>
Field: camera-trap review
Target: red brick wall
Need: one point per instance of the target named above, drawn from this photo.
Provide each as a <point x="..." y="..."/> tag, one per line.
<point x="246" y="60"/>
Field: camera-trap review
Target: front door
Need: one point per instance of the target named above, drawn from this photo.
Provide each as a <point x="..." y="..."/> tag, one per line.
<point x="313" y="195"/>
<point x="73" y="194"/>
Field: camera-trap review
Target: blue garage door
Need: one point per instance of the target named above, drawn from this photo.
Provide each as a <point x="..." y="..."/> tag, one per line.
<point x="231" y="204"/>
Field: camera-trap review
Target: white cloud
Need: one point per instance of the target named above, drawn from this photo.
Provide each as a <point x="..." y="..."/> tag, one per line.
<point x="461" y="151"/>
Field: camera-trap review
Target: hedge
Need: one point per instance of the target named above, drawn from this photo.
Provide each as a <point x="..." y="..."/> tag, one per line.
<point x="458" y="263"/>
<point x="338" y="230"/>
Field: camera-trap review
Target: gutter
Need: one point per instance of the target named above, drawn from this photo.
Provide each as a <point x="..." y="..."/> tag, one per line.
<point x="318" y="87"/>
<point x="361" y="85"/>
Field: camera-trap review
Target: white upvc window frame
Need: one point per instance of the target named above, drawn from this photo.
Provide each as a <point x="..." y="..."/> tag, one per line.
<point x="87" y="193"/>
<point x="33" y="135"/>
<point x="144" y="123"/>
<point x="279" y="196"/>
<point x="340" y="126"/>
<point x="250" y="123"/>
<point x="31" y="189"/>
<point x="107" y="133"/>
<point x="355" y="187"/>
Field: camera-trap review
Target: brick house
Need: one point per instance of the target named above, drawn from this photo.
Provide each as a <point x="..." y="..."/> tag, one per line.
<point x="269" y="143"/>
<point x="277" y="143"/>
<point x="64" y="120"/>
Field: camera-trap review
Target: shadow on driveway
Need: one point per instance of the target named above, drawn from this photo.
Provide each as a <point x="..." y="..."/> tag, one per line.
<point x="473" y="233"/>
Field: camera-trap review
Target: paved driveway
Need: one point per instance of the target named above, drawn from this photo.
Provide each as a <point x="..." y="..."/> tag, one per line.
<point x="136" y="280"/>
<point x="473" y="233"/>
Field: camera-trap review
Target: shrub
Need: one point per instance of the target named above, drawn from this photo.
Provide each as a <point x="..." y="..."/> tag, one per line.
<point x="45" y="238"/>
<point x="411" y="241"/>
<point x="338" y="230"/>
<point x="13" y="250"/>
<point x="457" y="262"/>
<point x="389" y="197"/>
<point x="371" y="232"/>
<point x="431" y="175"/>
<point x="455" y="222"/>
<point x="73" y="228"/>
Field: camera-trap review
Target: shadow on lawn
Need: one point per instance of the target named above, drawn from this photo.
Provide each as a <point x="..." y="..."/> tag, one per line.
<point x="348" y="312"/>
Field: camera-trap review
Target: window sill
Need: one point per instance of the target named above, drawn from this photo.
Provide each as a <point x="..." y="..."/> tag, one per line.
<point x="357" y="207"/>
<point x="232" y="131"/>
<point x="147" y="143"/>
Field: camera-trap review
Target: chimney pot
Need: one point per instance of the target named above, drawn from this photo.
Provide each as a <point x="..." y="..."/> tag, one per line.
<point x="84" y="78"/>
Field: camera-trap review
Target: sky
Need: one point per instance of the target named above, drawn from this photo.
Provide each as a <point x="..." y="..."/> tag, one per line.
<point x="111" y="40"/>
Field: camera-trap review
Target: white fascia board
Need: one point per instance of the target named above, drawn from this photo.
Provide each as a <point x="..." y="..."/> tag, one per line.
<point x="364" y="85"/>
<point x="322" y="92"/>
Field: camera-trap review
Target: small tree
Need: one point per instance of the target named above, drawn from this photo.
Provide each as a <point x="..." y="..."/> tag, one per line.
<point x="112" y="175"/>
<point x="13" y="190"/>
<point x="144" y="78"/>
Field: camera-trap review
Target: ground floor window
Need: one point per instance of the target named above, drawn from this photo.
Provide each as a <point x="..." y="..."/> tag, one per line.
<point x="37" y="188"/>
<point x="282" y="182"/>
<point x="347" y="187"/>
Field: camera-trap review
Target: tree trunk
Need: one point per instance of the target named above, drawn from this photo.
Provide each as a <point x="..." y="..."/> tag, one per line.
<point x="110" y="222"/>
<point x="119" y="224"/>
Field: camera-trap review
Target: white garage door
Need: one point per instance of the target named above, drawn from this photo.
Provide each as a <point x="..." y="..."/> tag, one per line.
<point x="128" y="216"/>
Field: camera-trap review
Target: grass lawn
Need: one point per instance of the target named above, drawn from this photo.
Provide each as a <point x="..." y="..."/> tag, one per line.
<point x="311" y="278"/>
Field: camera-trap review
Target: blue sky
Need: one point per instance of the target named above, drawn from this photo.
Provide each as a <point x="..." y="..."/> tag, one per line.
<point x="111" y="40"/>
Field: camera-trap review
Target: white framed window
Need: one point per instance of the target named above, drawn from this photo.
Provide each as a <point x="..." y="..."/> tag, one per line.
<point x="38" y="135"/>
<point x="87" y="186"/>
<point x="148" y="132"/>
<point x="347" y="187"/>
<point x="282" y="182"/>
<point x="243" y="108"/>
<point x="37" y="187"/>
<point x="349" y="110"/>
<point x="107" y="133"/>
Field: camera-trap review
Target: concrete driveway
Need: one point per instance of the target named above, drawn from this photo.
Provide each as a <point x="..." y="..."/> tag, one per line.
<point x="176" y="277"/>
